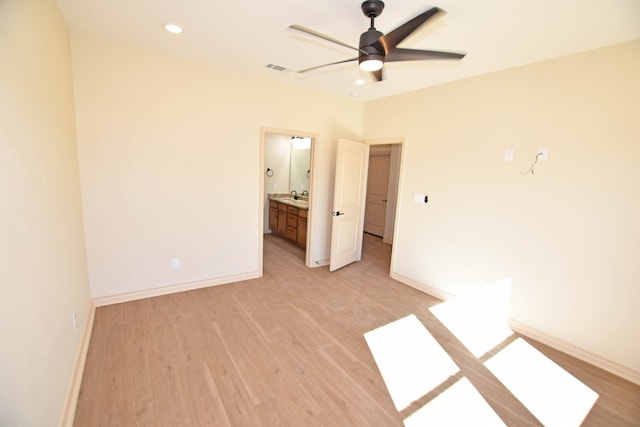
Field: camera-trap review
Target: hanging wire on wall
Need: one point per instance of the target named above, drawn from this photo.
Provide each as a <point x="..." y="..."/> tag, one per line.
<point x="533" y="165"/>
<point x="269" y="172"/>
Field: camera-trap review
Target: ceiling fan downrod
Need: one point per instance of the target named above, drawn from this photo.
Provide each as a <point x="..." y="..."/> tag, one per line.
<point x="372" y="9"/>
<point x="373" y="59"/>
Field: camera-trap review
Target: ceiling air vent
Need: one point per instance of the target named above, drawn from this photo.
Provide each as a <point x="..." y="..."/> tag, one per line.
<point x="276" y="67"/>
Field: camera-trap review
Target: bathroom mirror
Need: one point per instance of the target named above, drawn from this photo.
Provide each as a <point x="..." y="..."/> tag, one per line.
<point x="300" y="164"/>
<point x="288" y="159"/>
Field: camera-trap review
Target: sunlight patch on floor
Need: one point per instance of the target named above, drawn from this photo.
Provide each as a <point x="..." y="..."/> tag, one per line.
<point x="478" y="319"/>
<point x="459" y="405"/>
<point x="552" y="395"/>
<point x="410" y="360"/>
<point x="413" y="364"/>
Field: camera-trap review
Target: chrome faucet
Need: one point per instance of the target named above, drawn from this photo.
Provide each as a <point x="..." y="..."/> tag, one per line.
<point x="295" y="194"/>
<point x="305" y="193"/>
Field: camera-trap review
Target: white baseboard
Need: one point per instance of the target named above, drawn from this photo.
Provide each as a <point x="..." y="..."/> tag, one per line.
<point x="422" y="287"/>
<point x="171" y="289"/>
<point x="535" y="334"/>
<point x="73" y="390"/>
<point x="572" y="350"/>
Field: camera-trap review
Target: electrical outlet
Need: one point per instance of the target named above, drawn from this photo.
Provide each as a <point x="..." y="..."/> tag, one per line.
<point x="508" y="154"/>
<point x="74" y="317"/>
<point x="543" y="154"/>
<point x="175" y="263"/>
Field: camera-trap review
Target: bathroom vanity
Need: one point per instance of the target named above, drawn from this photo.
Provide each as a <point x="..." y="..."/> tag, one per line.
<point x="288" y="218"/>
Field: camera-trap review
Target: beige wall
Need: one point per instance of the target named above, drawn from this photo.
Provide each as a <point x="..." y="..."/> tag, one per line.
<point x="170" y="165"/>
<point x="568" y="236"/>
<point x="43" y="276"/>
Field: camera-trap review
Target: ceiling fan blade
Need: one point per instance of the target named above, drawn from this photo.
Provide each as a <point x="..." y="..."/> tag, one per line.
<point x="398" y="54"/>
<point x="393" y="38"/>
<point x="377" y="75"/>
<point x="322" y="36"/>
<point x="326" y="65"/>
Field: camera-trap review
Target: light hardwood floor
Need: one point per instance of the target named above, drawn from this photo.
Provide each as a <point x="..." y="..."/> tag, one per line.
<point x="287" y="350"/>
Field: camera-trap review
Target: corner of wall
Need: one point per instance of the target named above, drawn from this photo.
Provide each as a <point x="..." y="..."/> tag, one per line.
<point x="73" y="390"/>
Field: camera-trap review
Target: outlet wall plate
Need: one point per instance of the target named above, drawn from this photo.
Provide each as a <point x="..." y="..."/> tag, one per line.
<point x="508" y="154"/>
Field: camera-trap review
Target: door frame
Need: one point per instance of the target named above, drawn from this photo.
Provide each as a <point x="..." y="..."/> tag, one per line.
<point x="314" y="142"/>
<point x="393" y="141"/>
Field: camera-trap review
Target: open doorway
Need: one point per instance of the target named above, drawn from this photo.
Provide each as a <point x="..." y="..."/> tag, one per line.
<point x="349" y="206"/>
<point x="383" y="179"/>
<point x="287" y="188"/>
<point x="382" y="190"/>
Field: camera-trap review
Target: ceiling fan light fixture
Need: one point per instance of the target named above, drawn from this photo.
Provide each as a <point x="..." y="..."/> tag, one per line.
<point x="371" y="65"/>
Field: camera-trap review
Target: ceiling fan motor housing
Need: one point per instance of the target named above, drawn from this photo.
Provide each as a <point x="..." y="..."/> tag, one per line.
<point x="369" y="42"/>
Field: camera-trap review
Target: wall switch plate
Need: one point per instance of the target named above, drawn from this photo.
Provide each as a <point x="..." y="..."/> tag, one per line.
<point x="419" y="199"/>
<point x="175" y="263"/>
<point x="543" y="154"/>
<point x="508" y="154"/>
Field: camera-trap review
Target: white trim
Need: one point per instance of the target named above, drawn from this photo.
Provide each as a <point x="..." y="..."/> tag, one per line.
<point x="572" y="350"/>
<point x="73" y="390"/>
<point x="171" y="289"/>
<point x="421" y="287"/>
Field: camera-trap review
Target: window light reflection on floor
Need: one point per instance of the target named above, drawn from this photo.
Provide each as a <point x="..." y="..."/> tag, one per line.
<point x="410" y="360"/>
<point x="412" y="364"/>
<point x="478" y="319"/>
<point x="552" y="395"/>
<point x="459" y="405"/>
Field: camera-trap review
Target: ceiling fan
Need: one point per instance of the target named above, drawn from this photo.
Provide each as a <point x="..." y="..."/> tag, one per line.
<point x="376" y="48"/>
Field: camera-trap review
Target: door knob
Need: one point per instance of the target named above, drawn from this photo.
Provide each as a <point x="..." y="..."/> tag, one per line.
<point x="337" y="213"/>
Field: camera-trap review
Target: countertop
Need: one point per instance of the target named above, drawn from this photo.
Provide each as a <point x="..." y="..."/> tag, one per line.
<point x="287" y="199"/>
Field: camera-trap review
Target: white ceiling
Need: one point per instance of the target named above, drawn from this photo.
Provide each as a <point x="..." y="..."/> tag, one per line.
<point x="246" y="36"/>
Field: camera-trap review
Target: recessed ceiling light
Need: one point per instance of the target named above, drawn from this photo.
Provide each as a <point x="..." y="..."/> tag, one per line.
<point x="172" y="28"/>
<point x="355" y="94"/>
<point x="359" y="82"/>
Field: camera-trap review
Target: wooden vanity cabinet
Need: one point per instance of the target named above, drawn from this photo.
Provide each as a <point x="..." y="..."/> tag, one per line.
<point x="288" y="222"/>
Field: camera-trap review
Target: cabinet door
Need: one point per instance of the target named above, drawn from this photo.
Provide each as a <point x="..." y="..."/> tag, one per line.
<point x="292" y="223"/>
<point x="273" y="219"/>
<point x="292" y="233"/>
<point x="302" y="231"/>
<point x="282" y="221"/>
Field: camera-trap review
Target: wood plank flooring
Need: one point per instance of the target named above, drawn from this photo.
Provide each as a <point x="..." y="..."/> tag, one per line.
<point x="288" y="350"/>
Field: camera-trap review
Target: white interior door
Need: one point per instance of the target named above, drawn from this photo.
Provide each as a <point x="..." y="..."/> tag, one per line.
<point x="377" y="187"/>
<point x="352" y="162"/>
